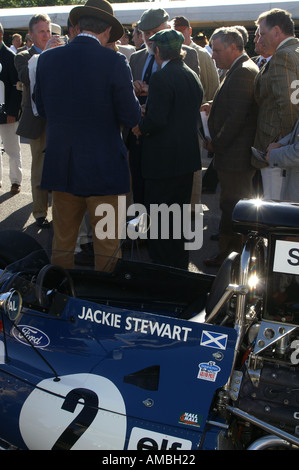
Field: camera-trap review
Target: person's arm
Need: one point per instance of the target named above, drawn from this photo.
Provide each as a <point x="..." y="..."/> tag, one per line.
<point x="21" y="64"/>
<point x="157" y="110"/>
<point x="13" y="102"/>
<point x="126" y="103"/>
<point x="286" y="156"/>
<point x="284" y="71"/>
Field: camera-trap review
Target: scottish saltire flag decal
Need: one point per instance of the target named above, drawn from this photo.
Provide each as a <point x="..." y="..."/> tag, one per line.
<point x="211" y="339"/>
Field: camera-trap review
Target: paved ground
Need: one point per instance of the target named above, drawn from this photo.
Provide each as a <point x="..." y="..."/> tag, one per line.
<point x="15" y="213"/>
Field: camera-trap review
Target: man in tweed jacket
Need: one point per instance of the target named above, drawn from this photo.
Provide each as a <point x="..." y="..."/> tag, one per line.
<point x="232" y="126"/>
<point x="274" y="85"/>
<point x="277" y="111"/>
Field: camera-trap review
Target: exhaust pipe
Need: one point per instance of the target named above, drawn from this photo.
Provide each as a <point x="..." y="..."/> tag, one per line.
<point x="267" y="442"/>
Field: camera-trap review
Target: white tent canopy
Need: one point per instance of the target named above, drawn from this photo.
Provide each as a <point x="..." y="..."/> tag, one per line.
<point x="213" y="13"/>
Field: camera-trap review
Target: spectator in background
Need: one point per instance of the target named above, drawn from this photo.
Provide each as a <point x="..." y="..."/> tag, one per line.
<point x="16" y="42"/>
<point x="208" y="73"/>
<point x="210" y="81"/>
<point x="201" y="40"/>
<point x="10" y="108"/>
<point x="262" y="58"/>
<point x="244" y="33"/>
<point x="277" y="113"/>
<point x="124" y="46"/>
<point x="126" y="38"/>
<point x="232" y="126"/>
<point x="171" y="151"/>
<point x="137" y="37"/>
<point x="28" y="43"/>
<point x="30" y="126"/>
<point x="143" y="65"/>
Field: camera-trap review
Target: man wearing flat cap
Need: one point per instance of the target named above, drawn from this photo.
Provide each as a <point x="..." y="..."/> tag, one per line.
<point x="85" y="159"/>
<point x="142" y="64"/>
<point x="171" y="150"/>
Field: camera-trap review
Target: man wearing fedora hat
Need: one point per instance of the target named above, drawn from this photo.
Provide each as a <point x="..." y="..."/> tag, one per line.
<point x="85" y="159"/>
<point x="171" y="150"/>
<point x="143" y="65"/>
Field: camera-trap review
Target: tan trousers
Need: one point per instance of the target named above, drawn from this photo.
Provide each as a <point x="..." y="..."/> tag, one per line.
<point x="68" y="211"/>
<point x="40" y="196"/>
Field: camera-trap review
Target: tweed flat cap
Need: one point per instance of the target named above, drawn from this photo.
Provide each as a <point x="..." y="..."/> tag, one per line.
<point x="152" y="18"/>
<point x="168" y="38"/>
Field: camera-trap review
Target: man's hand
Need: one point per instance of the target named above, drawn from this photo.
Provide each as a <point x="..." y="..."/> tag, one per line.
<point x="10" y="119"/>
<point x="207" y="144"/>
<point x="206" y="107"/>
<point x="274" y="145"/>
<point x="136" y="131"/>
<point x="140" y="88"/>
<point x="54" y="42"/>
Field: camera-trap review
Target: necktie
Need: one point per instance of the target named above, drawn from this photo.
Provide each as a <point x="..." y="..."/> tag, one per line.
<point x="148" y="71"/>
<point x="146" y="78"/>
<point x="262" y="63"/>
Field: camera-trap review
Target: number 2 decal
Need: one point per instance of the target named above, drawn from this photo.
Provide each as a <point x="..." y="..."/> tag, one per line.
<point x="84" y="419"/>
<point x="80" y="412"/>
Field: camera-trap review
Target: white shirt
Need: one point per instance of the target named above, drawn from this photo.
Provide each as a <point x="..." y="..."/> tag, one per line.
<point x="284" y="41"/>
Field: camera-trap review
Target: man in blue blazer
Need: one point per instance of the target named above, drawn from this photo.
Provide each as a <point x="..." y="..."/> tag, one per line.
<point x="85" y="92"/>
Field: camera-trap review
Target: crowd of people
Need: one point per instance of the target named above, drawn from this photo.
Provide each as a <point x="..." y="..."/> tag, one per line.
<point x="132" y="121"/>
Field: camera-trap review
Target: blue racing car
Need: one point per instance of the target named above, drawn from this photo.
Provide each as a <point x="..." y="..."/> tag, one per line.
<point x="149" y="357"/>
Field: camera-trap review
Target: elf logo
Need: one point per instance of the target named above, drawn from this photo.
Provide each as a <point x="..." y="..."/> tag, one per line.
<point x="143" y="439"/>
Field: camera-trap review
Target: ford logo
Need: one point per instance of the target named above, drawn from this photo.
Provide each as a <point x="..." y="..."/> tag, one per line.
<point x="28" y="335"/>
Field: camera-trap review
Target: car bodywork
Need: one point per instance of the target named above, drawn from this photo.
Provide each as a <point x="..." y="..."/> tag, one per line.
<point x="149" y="357"/>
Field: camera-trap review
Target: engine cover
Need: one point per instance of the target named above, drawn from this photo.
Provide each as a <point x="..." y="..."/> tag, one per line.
<point x="275" y="399"/>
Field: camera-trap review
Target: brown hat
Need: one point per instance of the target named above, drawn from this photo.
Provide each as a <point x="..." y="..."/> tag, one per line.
<point x="100" y="9"/>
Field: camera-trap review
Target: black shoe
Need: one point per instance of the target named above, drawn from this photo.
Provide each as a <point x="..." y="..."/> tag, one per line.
<point x="15" y="189"/>
<point x="42" y="222"/>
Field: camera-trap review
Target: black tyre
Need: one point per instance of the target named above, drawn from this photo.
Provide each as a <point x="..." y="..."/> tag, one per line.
<point x="15" y="245"/>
